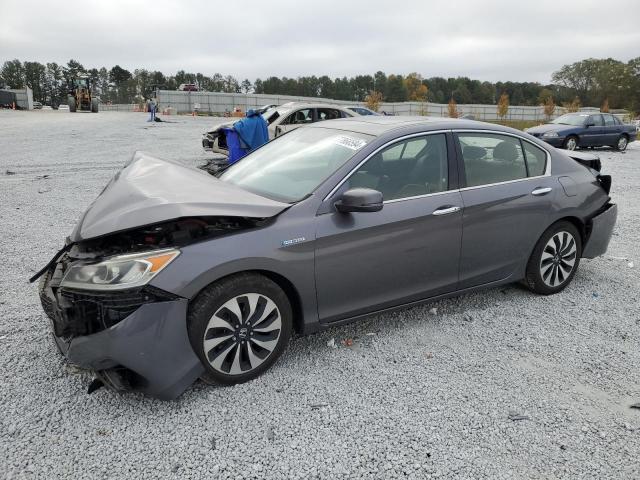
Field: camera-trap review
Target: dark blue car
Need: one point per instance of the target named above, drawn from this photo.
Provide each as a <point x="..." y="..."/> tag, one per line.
<point x="584" y="129"/>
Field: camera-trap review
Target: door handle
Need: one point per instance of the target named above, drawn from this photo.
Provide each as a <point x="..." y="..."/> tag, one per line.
<point x="445" y="210"/>
<point x="541" y="191"/>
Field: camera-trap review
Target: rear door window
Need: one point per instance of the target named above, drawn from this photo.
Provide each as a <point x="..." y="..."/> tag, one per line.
<point x="536" y="159"/>
<point x="597" y="120"/>
<point x="609" y="120"/>
<point x="491" y="158"/>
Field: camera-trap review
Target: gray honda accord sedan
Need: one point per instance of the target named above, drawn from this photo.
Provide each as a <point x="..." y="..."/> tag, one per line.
<point x="173" y="274"/>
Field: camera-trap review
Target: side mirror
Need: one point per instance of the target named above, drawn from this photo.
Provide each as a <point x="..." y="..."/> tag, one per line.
<point x="360" y="200"/>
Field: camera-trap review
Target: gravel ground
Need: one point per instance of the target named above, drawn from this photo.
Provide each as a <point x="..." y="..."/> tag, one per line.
<point x="499" y="384"/>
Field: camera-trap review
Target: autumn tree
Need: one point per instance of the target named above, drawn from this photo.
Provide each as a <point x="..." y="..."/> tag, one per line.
<point x="416" y="89"/>
<point x="503" y="106"/>
<point x="605" y="106"/>
<point x="549" y="107"/>
<point x="453" y="108"/>
<point x="573" y="106"/>
<point x="373" y="100"/>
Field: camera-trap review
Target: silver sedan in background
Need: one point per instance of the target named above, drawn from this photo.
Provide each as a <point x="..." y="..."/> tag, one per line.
<point x="281" y="119"/>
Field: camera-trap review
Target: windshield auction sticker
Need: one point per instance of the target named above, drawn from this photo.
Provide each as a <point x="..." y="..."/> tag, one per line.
<point x="350" y="142"/>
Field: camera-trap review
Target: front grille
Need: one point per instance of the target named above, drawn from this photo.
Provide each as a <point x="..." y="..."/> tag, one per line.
<point x="80" y="312"/>
<point x="48" y="303"/>
<point x="91" y="312"/>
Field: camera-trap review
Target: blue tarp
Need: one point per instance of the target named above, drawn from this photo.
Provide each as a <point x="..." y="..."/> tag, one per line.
<point x="252" y="130"/>
<point x="236" y="152"/>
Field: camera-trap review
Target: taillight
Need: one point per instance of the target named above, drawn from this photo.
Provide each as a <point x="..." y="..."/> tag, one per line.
<point x="605" y="182"/>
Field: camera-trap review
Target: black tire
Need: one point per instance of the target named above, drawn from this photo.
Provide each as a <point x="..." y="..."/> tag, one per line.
<point x="568" y="142"/>
<point x="94" y="105"/>
<point x="551" y="276"/>
<point x="211" y="301"/>
<point x="621" y="143"/>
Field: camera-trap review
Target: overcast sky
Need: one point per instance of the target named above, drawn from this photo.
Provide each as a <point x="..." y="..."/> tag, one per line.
<point x="483" y="39"/>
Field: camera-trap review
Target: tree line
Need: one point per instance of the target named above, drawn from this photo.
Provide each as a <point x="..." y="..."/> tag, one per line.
<point x="588" y="82"/>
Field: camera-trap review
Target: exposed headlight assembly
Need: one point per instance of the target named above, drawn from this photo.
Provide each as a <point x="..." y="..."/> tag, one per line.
<point x="550" y="134"/>
<point x="120" y="272"/>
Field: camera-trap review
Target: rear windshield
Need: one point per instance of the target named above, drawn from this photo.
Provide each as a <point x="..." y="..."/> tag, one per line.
<point x="292" y="166"/>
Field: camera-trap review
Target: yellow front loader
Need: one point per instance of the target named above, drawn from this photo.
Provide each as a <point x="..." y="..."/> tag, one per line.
<point x="81" y="96"/>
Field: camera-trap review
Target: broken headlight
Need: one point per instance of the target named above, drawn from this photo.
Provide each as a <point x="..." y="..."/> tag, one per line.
<point x="120" y="272"/>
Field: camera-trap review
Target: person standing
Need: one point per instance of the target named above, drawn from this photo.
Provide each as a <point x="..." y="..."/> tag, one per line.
<point x="152" y="109"/>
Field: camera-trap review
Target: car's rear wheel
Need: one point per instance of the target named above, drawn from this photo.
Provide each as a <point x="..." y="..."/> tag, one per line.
<point x="622" y="143"/>
<point x="570" y="143"/>
<point x="239" y="327"/>
<point x="555" y="259"/>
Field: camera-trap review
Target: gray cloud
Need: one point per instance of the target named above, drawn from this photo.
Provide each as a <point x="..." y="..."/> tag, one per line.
<point x="489" y="40"/>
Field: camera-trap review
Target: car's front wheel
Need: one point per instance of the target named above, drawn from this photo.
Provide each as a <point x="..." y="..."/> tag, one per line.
<point x="239" y="327"/>
<point x="555" y="259"/>
<point x="570" y="143"/>
<point x="622" y="143"/>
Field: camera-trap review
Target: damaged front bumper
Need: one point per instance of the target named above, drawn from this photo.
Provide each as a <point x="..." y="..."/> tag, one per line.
<point x="132" y="340"/>
<point x="601" y="231"/>
<point x="215" y="142"/>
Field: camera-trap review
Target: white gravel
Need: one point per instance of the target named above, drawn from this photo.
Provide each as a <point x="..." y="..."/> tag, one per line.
<point x="499" y="384"/>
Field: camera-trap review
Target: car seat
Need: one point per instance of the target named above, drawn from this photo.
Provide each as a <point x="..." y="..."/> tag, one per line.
<point x="511" y="165"/>
<point x="301" y="117"/>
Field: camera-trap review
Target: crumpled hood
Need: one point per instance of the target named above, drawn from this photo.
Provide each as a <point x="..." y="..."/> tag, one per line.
<point x="149" y="190"/>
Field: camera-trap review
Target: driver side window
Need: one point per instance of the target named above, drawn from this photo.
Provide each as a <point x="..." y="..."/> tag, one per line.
<point x="409" y="168"/>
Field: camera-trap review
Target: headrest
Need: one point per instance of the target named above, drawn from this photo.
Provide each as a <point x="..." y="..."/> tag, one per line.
<point x="505" y="151"/>
<point x="472" y="152"/>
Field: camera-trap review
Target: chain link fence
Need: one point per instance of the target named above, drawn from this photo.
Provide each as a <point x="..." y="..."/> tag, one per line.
<point x="218" y="103"/>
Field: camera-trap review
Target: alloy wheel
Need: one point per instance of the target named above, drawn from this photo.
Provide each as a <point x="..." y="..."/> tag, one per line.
<point x="571" y="143"/>
<point x="558" y="259"/>
<point x="622" y="143"/>
<point x="242" y="333"/>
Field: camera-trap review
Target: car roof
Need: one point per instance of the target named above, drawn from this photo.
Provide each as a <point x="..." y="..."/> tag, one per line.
<point x="291" y="105"/>
<point x="585" y="113"/>
<point x="378" y="125"/>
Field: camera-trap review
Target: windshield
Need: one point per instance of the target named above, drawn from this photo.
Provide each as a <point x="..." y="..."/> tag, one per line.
<point x="363" y="111"/>
<point x="292" y="166"/>
<point x="570" y="119"/>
